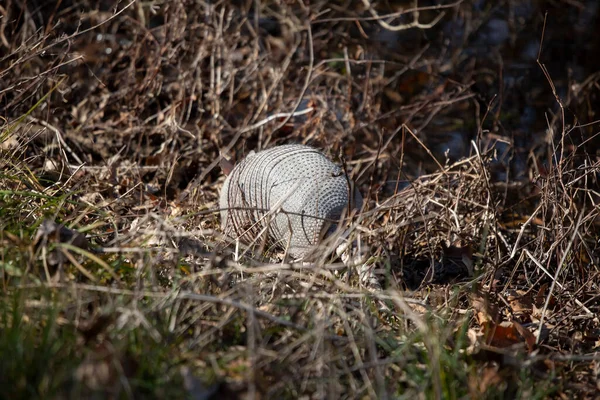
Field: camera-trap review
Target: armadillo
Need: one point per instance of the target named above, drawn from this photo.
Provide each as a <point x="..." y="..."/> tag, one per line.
<point x="292" y="193"/>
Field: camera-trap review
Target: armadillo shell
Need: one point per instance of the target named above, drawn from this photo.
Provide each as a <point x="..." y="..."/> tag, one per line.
<point x="292" y="193"/>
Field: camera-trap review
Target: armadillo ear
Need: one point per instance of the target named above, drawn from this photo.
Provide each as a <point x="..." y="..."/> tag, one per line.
<point x="226" y="165"/>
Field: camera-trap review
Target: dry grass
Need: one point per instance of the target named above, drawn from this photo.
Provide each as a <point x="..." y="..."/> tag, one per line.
<point x="482" y="228"/>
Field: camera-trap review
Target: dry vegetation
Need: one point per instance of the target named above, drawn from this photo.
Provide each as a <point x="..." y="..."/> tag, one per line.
<point x="479" y="165"/>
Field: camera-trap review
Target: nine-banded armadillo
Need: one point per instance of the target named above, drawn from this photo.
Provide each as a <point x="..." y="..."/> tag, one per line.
<point x="292" y="193"/>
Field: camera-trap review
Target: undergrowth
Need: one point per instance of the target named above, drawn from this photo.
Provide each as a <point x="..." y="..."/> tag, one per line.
<point x="480" y="223"/>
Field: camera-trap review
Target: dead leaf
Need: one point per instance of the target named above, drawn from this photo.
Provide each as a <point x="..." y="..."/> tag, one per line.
<point x="507" y="334"/>
<point x="521" y="304"/>
<point x="226" y="165"/>
<point x="485" y="313"/>
<point x="526" y="335"/>
<point x="540" y="297"/>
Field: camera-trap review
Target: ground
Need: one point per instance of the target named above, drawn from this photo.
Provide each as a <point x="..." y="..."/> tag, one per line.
<point x="470" y="128"/>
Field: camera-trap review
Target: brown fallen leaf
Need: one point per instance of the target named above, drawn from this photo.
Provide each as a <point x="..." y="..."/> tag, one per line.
<point x="484" y="311"/>
<point x="521" y="304"/>
<point x="499" y="334"/>
<point x="507" y="334"/>
<point x="526" y="334"/>
<point x="540" y="297"/>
